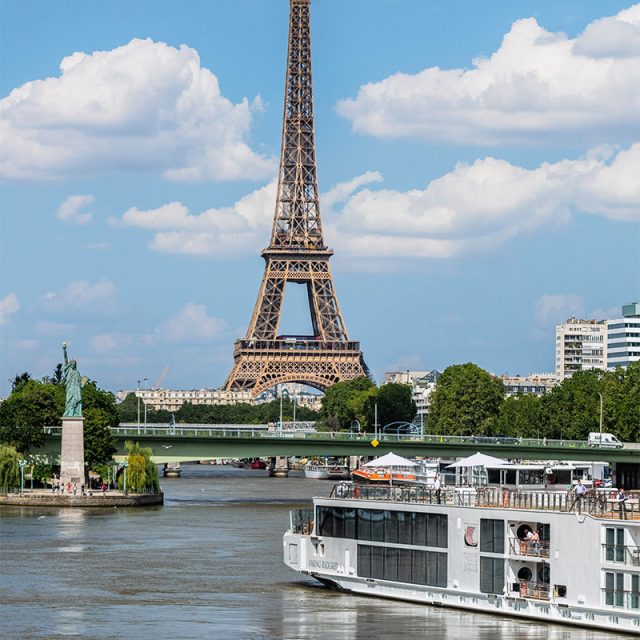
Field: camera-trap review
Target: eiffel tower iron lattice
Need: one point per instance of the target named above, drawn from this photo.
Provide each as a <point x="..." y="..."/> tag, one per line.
<point x="296" y="254"/>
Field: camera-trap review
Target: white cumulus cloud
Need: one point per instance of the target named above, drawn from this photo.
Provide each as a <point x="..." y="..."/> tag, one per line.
<point x="104" y="343"/>
<point x="81" y="293"/>
<point x="8" y="306"/>
<point x="191" y="324"/>
<point x="538" y="87"/>
<point x="219" y="232"/>
<point x="72" y="209"/>
<point x="142" y="106"/>
<point x="551" y="309"/>
<point x="480" y="206"/>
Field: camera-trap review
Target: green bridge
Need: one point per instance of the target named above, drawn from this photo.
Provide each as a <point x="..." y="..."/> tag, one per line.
<point x="204" y="442"/>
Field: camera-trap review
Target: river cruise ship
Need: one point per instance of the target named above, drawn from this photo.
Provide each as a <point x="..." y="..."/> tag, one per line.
<point x="542" y="555"/>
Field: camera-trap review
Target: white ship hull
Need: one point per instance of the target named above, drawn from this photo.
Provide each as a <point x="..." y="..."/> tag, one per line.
<point x="326" y="472"/>
<point x="573" y="569"/>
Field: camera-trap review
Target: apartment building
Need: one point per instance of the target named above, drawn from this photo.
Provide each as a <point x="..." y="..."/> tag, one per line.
<point x="537" y="384"/>
<point x="580" y="345"/>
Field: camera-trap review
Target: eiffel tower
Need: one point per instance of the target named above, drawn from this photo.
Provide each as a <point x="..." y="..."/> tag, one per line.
<point x="296" y="254"/>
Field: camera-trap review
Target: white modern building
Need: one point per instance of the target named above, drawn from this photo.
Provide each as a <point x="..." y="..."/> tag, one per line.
<point x="623" y="337"/>
<point x="580" y="345"/>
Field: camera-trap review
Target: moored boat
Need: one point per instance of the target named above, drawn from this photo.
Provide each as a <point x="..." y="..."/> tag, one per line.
<point x="326" y="469"/>
<point x="541" y="555"/>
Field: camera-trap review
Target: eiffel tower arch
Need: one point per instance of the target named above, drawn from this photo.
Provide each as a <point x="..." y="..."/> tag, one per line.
<point x="296" y="254"/>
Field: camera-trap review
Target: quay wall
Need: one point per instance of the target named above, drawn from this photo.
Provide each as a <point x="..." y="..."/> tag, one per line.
<point x="79" y="501"/>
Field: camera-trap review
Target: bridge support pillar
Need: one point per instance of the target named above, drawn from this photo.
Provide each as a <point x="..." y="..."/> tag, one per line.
<point x="354" y="462"/>
<point x="279" y="467"/>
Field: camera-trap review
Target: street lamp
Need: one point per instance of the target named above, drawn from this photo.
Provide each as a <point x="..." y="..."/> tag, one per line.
<point x="294" y="410"/>
<point x="146" y="386"/>
<point x="125" y="464"/>
<point x="22" y="464"/>
<point x="138" y="394"/>
<point x="375" y="420"/>
<point x="600" y="417"/>
<point x="280" y="427"/>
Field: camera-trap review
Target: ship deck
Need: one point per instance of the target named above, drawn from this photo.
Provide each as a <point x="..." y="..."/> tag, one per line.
<point x="596" y="503"/>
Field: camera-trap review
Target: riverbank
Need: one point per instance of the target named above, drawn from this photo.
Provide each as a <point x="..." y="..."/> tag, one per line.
<point x="45" y="498"/>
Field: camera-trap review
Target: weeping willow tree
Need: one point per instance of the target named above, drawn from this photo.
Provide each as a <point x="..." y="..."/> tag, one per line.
<point x="9" y="467"/>
<point x="142" y="473"/>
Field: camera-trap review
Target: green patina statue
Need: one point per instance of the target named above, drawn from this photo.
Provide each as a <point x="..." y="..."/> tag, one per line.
<point x="74" y="383"/>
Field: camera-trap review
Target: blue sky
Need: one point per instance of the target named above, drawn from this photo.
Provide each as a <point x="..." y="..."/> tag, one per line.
<point x="478" y="163"/>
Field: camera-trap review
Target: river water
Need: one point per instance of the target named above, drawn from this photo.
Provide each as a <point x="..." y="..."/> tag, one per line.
<point x="206" y="565"/>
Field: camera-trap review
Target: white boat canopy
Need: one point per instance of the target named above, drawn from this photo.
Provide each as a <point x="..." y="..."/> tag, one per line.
<point x="390" y="460"/>
<point x="479" y="460"/>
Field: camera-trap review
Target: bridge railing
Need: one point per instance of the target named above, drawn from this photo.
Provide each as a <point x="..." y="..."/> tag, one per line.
<point x="306" y="430"/>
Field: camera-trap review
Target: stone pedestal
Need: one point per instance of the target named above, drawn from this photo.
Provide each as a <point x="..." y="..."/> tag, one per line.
<point x="72" y="451"/>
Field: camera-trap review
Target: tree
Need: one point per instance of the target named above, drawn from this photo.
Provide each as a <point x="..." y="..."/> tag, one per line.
<point x="9" y="467"/>
<point x="520" y="416"/>
<point x="465" y="402"/>
<point x="31" y="406"/>
<point x="142" y="473"/>
<point x="20" y="380"/>
<point x="340" y="402"/>
<point x="395" y="403"/>
<point x="572" y="409"/>
<point x="621" y="406"/>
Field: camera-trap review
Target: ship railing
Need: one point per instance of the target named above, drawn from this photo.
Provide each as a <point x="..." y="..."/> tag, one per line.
<point x="535" y="590"/>
<point x="301" y="521"/>
<point x="539" y="549"/>
<point x="621" y="598"/>
<point x="621" y="553"/>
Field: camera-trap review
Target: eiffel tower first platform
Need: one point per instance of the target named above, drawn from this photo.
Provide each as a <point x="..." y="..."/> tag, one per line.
<point x="296" y="254"/>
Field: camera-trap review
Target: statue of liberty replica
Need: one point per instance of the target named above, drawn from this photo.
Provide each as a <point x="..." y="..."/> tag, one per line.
<point x="72" y="449"/>
<point x="74" y="383"/>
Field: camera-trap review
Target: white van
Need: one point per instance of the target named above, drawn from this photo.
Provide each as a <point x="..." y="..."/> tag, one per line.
<point x="597" y="439"/>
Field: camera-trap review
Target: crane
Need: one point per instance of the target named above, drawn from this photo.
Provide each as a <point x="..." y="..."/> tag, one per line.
<point x="161" y="378"/>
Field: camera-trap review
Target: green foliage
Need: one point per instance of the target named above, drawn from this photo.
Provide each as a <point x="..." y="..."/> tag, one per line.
<point x="345" y="402"/>
<point x="31" y="406"/>
<point x="395" y="403"/>
<point x="520" y="416"/>
<point x="20" y="380"/>
<point x="142" y="473"/>
<point x="9" y="467"/>
<point x="466" y="401"/>
<point x="99" y="442"/>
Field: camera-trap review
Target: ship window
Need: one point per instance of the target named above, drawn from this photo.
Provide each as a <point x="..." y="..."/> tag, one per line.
<point x="614" y="589"/>
<point x="377" y="526"/>
<point x="404" y="565"/>
<point x="491" y="536"/>
<point x="615" y="544"/>
<point x="325" y="521"/>
<point x="634" y="596"/>
<point x="436" y="530"/>
<point x="391" y="563"/>
<point x="491" y="575"/>
<point x="364" y="560"/>
<point x="405" y="524"/>
<point x="364" y="524"/>
<point x="391" y="526"/>
<point x="419" y="535"/>
<point x="377" y="562"/>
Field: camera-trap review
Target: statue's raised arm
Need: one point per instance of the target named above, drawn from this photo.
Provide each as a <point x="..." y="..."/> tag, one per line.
<point x="73" y="384"/>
